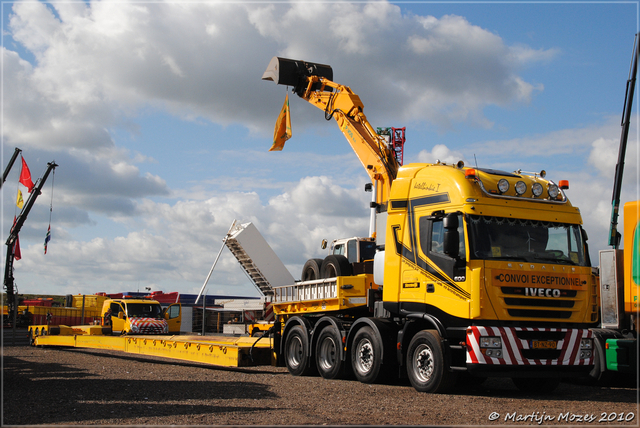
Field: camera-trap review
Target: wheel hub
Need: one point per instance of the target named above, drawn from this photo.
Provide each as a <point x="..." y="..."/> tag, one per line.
<point x="365" y="356"/>
<point x="424" y="364"/>
<point x="327" y="353"/>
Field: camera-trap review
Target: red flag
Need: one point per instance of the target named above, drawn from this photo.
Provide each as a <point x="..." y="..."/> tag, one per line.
<point x="25" y="176"/>
<point x="16" y="246"/>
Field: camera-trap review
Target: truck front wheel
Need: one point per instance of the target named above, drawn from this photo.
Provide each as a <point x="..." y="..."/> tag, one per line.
<point x="426" y="363"/>
<point x="366" y="355"/>
<point x="297" y="352"/>
<point x="328" y="361"/>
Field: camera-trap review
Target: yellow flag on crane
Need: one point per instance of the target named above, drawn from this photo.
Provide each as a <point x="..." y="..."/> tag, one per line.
<point x="19" y="200"/>
<point x="282" y="131"/>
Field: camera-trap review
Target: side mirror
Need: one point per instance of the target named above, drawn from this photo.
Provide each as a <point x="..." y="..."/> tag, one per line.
<point x="323" y="245"/>
<point x="585" y="237"/>
<point x="121" y="315"/>
<point x="450" y="221"/>
<point x="451" y="243"/>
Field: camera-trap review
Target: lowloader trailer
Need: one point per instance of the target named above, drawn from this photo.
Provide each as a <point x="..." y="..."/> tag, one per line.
<point x="225" y="351"/>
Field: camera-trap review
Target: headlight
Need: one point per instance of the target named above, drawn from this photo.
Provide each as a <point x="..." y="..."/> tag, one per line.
<point x="503" y="185"/>
<point x="495" y="353"/>
<point x="490" y="342"/>
<point x="586" y="344"/>
<point x="536" y="189"/>
<point x="521" y="187"/>
<point x="553" y="191"/>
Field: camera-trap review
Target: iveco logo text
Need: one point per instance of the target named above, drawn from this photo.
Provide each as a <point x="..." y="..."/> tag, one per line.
<point x="541" y="292"/>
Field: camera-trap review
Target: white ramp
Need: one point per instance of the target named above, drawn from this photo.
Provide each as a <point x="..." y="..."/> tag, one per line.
<point x="257" y="258"/>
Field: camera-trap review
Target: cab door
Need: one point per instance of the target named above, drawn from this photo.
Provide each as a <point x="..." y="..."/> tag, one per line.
<point x="173" y="315"/>
<point x="118" y="317"/>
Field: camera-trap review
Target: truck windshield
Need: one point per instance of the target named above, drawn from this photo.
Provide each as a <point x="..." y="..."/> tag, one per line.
<point x="146" y="310"/>
<point x="499" y="238"/>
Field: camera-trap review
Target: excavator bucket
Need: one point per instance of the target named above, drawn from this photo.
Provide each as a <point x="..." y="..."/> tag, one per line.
<point x="294" y="73"/>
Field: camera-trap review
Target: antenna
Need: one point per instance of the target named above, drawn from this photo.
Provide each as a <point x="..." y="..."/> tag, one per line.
<point x="476" y="160"/>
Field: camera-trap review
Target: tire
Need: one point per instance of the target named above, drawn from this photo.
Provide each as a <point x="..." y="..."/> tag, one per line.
<point x="426" y="366"/>
<point x="311" y="270"/>
<point x="296" y="352"/>
<point x="328" y="361"/>
<point x="536" y="386"/>
<point x="366" y="355"/>
<point x="335" y="265"/>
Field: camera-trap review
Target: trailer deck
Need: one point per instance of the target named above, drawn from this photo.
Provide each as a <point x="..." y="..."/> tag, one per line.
<point x="226" y="351"/>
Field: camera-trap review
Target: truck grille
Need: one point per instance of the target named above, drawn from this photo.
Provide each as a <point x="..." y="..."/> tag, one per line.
<point x="519" y="306"/>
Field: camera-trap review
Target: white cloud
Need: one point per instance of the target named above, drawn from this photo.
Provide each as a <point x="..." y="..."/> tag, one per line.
<point x="177" y="243"/>
<point x="441" y="153"/>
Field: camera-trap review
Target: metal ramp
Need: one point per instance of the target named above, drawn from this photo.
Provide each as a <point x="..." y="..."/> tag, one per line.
<point x="257" y="259"/>
<point x="249" y="267"/>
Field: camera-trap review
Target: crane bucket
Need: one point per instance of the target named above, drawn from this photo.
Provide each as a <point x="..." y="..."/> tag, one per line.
<point x="294" y="73"/>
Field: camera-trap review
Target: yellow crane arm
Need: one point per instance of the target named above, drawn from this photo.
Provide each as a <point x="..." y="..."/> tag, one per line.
<point x="312" y="82"/>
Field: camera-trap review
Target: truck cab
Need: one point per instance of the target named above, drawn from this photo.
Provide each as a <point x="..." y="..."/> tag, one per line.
<point x="142" y="316"/>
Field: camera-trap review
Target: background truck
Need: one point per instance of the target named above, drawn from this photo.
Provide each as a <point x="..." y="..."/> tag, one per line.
<point x="617" y="339"/>
<point x="142" y="316"/>
<point x="476" y="272"/>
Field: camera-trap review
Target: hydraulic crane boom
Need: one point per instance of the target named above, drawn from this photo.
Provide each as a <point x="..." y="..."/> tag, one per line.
<point x="313" y="83"/>
<point x="10" y="165"/>
<point x="13" y="236"/>
<point x="614" y="235"/>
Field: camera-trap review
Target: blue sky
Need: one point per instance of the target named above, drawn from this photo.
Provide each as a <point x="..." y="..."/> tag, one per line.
<point x="158" y="118"/>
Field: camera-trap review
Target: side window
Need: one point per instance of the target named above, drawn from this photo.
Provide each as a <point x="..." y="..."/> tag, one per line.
<point x="437" y="238"/>
<point x="116" y="308"/>
<point x="352" y="250"/>
<point x="432" y="234"/>
<point x="174" y="311"/>
<point x="338" y="250"/>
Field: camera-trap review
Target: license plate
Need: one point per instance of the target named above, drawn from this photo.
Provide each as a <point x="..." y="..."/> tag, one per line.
<point x="544" y="344"/>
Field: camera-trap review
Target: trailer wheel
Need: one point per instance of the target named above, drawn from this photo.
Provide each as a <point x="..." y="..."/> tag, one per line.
<point x="536" y="386"/>
<point x="328" y="360"/>
<point x="426" y="363"/>
<point x="311" y="270"/>
<point x="335" y="265"/>
<point x="366" y="355"/>
<point x="297" y="352"/>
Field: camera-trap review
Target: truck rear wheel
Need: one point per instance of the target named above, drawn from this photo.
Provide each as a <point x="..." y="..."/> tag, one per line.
<point x="426" y="363"/>
<point x="311" y="270"/>
<point x="366" y="355"/>
<point x="335" y="265"/>
<point x="297" y="352"/>
<point x="328" y="361"/>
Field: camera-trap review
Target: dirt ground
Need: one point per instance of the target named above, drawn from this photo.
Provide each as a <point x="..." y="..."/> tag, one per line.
<point x="67" y="386"/>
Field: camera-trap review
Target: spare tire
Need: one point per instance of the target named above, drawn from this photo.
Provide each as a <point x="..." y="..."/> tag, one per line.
<point x="335" y="265"/>
<point x="311" y="270"/>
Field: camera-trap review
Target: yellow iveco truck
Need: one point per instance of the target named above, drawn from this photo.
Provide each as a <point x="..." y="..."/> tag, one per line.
<point x="474" y="272"/>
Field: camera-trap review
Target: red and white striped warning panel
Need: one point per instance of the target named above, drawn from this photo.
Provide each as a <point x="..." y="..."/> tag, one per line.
<point x="268" y="311"/>
<point x="148" y="326"/>
<point x="529" y="346"/>
<point x="249" y="316"/>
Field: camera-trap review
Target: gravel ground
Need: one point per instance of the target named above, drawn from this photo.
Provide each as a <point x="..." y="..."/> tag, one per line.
<point x="67" y="386"/>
